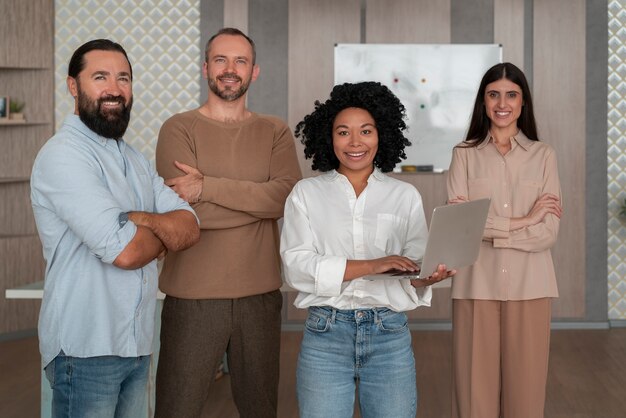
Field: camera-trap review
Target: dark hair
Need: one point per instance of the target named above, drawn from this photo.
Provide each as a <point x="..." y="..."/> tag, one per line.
<point x="316" y="129"/>
<point x="77" y="62"/>
<point x="232" y="32"/>
<point x="480" y="123"/>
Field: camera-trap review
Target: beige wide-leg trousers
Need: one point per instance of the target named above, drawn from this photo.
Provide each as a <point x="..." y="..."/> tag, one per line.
<point x="500" y="358"/>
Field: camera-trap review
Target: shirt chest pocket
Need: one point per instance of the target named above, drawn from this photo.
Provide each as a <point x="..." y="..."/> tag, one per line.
<point x="390" y="233"/>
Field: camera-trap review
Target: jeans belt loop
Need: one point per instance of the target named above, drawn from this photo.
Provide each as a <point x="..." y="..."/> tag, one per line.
<point x="333" y="315"/>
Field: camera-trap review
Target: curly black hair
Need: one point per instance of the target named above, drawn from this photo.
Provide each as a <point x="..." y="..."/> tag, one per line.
<point x="316" y="129"/>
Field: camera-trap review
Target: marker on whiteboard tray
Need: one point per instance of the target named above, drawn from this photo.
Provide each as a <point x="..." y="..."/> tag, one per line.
<point x="427" y="168"/>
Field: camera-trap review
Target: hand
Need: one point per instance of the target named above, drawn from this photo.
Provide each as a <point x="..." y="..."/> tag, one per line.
<point x="458" y="199"/>
<point x="545" y="204"/>
<point x="438" y="275"/>
<point x="397" y="262"/>
<point x="189" y="186"/>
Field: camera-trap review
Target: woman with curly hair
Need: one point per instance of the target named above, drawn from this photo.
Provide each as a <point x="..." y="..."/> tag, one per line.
<point x="347" y="223"/>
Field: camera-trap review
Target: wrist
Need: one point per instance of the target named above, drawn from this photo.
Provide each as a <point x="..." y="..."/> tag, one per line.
<point x="139" y="218"/>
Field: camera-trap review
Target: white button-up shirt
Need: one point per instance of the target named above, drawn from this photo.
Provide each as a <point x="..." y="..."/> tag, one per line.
<point x="325" y="225"/>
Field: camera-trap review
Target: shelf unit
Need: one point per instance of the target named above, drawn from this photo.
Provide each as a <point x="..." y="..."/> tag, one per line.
<point x="26" y="74"/>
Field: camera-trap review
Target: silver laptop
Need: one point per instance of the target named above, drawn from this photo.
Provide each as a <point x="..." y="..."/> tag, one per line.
<point x="454" y="239"/>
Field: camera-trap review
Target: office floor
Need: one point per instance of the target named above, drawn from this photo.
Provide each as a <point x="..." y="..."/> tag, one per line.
<point x="587" y="376"/>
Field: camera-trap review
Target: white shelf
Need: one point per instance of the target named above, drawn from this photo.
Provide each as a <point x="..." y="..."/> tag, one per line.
<point x="35" y="291"/>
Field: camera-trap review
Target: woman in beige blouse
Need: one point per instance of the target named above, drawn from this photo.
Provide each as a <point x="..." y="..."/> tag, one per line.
<point x="501" y="305"/>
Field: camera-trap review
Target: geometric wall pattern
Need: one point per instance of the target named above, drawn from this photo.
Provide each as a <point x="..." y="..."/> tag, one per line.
<point x="162" y="41"/>
<point x="616" y="160"/>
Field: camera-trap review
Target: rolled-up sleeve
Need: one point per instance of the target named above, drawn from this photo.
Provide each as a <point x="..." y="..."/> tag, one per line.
<point x="71" y="186"/>
<point x="306" y="270"/>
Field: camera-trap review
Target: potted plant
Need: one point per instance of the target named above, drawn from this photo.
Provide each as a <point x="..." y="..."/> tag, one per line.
<point x="15" y="109"/>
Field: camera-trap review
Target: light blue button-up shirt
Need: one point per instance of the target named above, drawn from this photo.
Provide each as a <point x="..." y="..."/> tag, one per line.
<point x="80" y="184"/>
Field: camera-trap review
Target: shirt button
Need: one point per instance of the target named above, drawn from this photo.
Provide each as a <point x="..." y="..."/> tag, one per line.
<point x="506" y="205"/>
<point x="503" y="270"/>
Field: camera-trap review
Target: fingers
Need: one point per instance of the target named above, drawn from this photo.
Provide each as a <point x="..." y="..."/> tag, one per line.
<point x="394" y="262"/>
<point x="403" y="263"/>
<point x="182" y="167"/>
<point x="458" y="199"/>
<point x="441" y="273"/>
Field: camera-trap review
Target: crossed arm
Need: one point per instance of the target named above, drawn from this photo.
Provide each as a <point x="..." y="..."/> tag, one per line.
<point x="156" y="234"/>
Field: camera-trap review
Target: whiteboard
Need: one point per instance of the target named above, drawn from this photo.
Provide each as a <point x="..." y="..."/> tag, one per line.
<point x="436" y="83"/>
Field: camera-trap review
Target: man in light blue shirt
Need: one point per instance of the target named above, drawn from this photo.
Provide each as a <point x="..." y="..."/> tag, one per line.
<point x="104" y="217"/>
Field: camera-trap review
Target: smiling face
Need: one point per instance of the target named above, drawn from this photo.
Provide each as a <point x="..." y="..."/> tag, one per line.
<point x="103" y="93"/>
<point x="503" y="105"/>
<point x="229" y="68"/>
<point x="355" y="141"/>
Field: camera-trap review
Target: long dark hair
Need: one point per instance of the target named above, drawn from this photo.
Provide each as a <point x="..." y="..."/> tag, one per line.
<point x="480" y="123"/>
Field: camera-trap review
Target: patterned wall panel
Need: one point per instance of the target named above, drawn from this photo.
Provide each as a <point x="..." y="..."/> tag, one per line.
<point x="162" y="41"/>
<point x="617" y="159"/>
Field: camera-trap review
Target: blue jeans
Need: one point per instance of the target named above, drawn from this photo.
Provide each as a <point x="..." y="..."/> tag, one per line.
<point x="370" y="348"/>
<point x="98" y="387"/>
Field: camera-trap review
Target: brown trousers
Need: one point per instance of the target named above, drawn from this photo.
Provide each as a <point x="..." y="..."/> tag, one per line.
<point x="500" y="358"/>
<point x="195" y="334"/>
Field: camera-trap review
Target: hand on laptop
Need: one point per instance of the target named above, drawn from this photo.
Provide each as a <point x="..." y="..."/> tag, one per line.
<point x="393" y="262"/>
<point x="438" y="275"/>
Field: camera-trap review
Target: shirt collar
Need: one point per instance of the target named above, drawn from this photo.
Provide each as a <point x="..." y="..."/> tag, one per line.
<point x="74" y="122"/>
<point x="376" y="175"/>
<point x="519" y="138"/>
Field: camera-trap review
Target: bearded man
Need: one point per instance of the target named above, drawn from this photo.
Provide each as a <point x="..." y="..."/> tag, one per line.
<point x="104" y="217"/>
<point x="223" y="295"/>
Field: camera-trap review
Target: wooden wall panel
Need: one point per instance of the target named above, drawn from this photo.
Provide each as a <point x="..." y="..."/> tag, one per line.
<point x="559" y="96"/>
<point x="21" y="262"/>
<point x="407" y="21"/>
<point x="236" y="14"/>
<point x="15" y="209"/>
<point x="24" y="46"/>
<point x="508" y="25"/>
<point x="314" y="28"/>
<point x="20" y="144"/>
<point x="26" y="73"/>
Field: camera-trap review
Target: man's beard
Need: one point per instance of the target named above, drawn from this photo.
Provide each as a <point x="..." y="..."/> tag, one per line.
<point x="108" y="123"/>
<point x="229" y="94"/>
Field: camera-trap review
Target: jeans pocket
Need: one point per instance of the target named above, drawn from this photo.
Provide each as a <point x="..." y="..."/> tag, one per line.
<point x="393" y="322"/>
<point x="317" y="323"/>
<point x="49" y="371"/>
